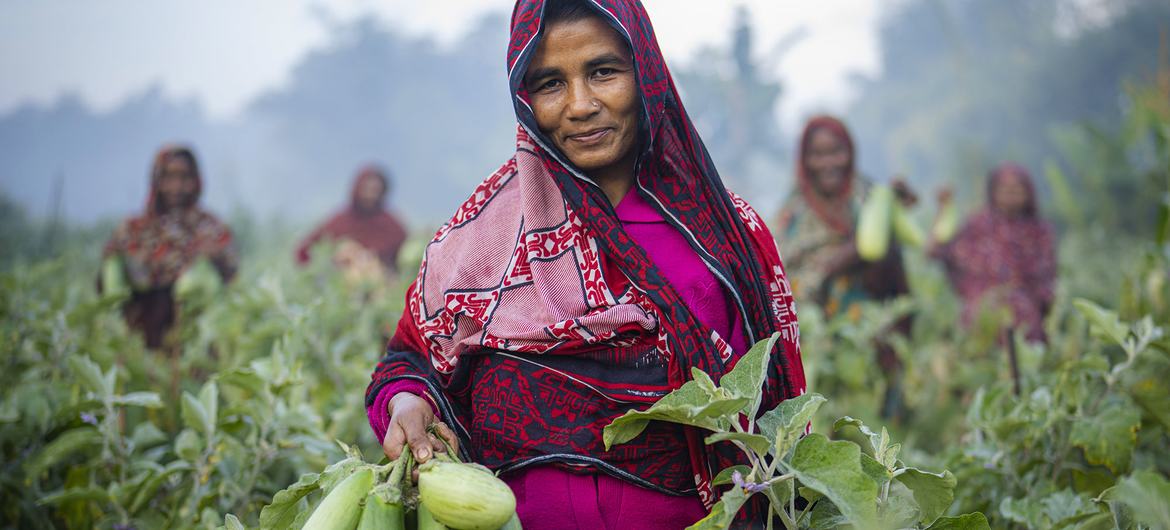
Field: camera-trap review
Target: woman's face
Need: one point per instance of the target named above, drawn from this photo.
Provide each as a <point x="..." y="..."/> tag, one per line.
<point x="827" y="159"/>
<point x="1010" y="195"/>
<point x="177" y="185"/>
<point x="369" y="193"/>
<point x="583" y="92"/>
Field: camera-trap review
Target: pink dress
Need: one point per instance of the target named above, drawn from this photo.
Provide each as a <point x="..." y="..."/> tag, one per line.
<point x="549" y="497"/>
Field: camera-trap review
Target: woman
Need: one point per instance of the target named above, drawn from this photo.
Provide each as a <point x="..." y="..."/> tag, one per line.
<point x="365" y="222"/>
<point x="816" y="227"/>
<point x="1004" y="255"/>
<point x="156" y="247"/>
<point x="586" y="277"/>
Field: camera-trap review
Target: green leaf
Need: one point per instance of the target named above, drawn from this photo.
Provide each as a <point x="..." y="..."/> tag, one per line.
<point x="1147" y="494"/>
<point x="69" y="443"/>
<point x="970" y="521"/>
<point x="150" y="487"/>
<point x="883" y="451"/>
<point x="89" y="374"/>
<point x="194" y="415"/>
<point x="834" y="469"/>
<point x="724" y="477"/>
<point x="723" y="513"/>
<point x="1104" y="322"/>
<point x="786" y="423"/>
<point x="934" y="492"/>
<point x="89" y="493"/>
<point x="188" y="445"/>
<point x="209" y="398"/>
<point x="1108" y="438"/>
<point x="758" y="443"/>
<point x="688" y="405"/>
<point x="231" y="522"/>
<point x="747" y="377"/>
<point x="285" y="505"/>
<point x="148" y="400"/>
<point x="875" y="470"/>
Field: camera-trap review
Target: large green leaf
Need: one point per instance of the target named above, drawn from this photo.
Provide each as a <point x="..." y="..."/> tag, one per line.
<point x="1147" y="495"/>
<point x="285" y="505"/>
<point x="971" y="521"/>
<point x="749" y="373"/>
<point x="688" y="405"/>
<point x="934" y="492"/>
<point x="1108" y="438"/>
<point x="786" y="423"/>
<point x="67" y="444"/>
<point x="724" y="477"/>
<point x="884" y="452"/>
<point x="834" y="469"/>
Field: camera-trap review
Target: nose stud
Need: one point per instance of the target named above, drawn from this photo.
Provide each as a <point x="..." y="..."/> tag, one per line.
<point x="596" y="104"/>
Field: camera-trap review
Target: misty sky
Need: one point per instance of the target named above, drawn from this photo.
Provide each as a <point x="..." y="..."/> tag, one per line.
<point x="222" y="53"/>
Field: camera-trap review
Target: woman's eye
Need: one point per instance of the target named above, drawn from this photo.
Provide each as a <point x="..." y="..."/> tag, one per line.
<point x="548" y="85"/>
<point x="604" y="72"/>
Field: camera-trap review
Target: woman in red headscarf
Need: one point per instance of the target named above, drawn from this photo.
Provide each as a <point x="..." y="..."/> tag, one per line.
<point x="156" y="247"/>
<point x="586" y="277"/>
<point x="1005" y="255"/>
<point x="817" y="229"/>
<point x="365" y="221"/>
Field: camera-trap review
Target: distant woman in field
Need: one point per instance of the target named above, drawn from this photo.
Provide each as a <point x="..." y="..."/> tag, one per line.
<point x="817" y="227"/>
<point x="586" y="277"/>
<point x="1004" y="255"/>
<point x="157" y="247"/>
<point x="365" y="221"/>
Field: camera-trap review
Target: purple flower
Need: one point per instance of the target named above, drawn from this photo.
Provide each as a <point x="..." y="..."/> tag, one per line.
<point x="749" y="487"/>
<point x="89" y="418"/>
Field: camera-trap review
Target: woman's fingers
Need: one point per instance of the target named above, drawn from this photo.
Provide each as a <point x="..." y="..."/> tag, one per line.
<point x="447" y="434"/>
<point x="394" y="440"/>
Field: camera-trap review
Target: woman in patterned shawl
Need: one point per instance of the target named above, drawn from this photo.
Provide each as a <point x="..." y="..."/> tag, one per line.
<point x="365" y="221"/>
<point x="1004" y="255"/>
<point x="816" y="227"/>
<point x="586" y="277"/>
<point x="156" y="247"/>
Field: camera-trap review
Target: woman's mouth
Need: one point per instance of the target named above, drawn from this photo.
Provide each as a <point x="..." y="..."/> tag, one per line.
<point x="592" y="137"/>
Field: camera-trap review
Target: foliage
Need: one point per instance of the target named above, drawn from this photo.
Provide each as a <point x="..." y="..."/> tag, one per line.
<point x="259" y="377"/>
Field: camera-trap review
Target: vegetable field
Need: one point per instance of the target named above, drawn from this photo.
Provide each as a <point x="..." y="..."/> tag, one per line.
<point x="237" y="423"/>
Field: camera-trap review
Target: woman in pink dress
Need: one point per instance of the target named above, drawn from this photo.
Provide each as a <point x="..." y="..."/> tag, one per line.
<point x="585" y="278"/>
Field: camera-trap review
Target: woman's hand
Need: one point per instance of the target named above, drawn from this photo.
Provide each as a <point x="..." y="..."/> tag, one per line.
<point x="410" y="419"/>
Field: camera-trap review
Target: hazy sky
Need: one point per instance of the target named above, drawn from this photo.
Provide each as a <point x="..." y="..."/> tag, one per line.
<point x="223" y="53"/>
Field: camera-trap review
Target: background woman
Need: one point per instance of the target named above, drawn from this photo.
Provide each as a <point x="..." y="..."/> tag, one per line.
<point x="156" y="247"/>
<point x="1005" y="255"/>
<point x="816" y="227"/>
<point x="586" y="277"/>
<point x="365" y="221"/>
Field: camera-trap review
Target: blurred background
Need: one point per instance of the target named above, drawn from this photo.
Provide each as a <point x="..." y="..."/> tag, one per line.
<point x="283" y="101"/>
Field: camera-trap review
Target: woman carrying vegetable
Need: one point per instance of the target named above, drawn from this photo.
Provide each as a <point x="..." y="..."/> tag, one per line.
<point x="366" y="221"/>
<point x="1004" y="255"/>
<point x="584" y="278"/>
<point x="157" y="247"/>
<point x="817" y="226"/>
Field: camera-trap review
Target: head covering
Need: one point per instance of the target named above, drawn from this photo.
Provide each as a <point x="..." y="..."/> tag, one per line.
<point x="537" y="264"/>
<point x="157" y="246"/>
<point x="994" y="252"/>
<point x="376" y="230"/>
<point x="835" y="211"/>
<point x="154" y="204"/>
